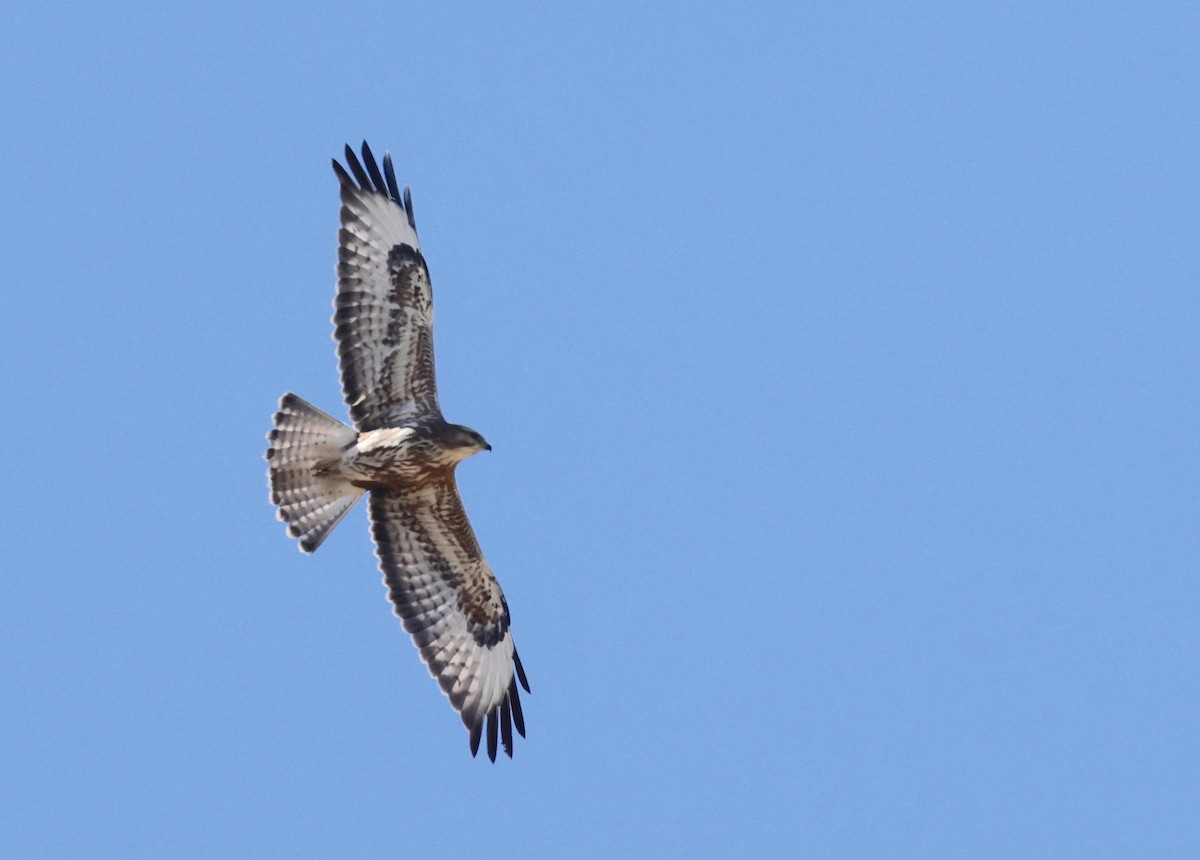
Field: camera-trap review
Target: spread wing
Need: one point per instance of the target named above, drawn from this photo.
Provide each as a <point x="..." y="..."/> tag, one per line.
<point x="449" y="600"/>
<point x="383" y="317"/>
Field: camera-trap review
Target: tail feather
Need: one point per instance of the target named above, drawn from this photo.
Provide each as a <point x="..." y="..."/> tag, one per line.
<point x="311" y="504"/>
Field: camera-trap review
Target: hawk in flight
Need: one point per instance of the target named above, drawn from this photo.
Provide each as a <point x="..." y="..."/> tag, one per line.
<point x="403" y="454"/>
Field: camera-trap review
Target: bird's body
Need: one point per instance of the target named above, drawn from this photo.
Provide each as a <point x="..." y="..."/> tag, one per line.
<point x="405" y="457"/>
<point x="403" y="453"/>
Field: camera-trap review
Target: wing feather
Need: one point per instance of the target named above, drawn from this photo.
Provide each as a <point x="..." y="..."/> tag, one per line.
<point x="394" y="189"/>
<point x="373" y="168"/>
<point x="444" y="592"/>
<point x="383" y="312"/>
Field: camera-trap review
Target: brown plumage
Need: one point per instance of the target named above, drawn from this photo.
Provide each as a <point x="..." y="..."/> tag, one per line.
<point x="403" y="453"/>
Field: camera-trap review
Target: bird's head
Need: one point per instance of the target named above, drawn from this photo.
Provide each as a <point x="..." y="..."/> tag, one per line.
<point x="464" y="441"/>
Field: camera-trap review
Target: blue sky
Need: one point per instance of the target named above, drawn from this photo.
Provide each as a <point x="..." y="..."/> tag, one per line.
<point x="840" y="363"/>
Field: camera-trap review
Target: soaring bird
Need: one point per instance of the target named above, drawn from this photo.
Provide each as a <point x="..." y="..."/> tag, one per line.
<point x="403" y="453"/>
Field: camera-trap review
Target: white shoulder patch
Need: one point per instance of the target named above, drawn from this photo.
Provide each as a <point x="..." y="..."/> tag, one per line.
<point x="387" y="437"/>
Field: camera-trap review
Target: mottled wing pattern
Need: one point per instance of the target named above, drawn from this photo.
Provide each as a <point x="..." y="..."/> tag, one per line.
<point x="383" y="317"/>
<point x="446" y="595"/>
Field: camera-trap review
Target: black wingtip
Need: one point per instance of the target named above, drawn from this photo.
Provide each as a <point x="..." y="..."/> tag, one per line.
<point x="521" y="671"/>
<point x="408" y="207"/>
<point x="372" y="166"/>
<point x="367" y="177"/>
<point x="515" y="699"/>
<point x="492" y="726"/>
<point x="342" y="175"/>
<point x="506" y="727"/>
<point x="364" y="181"/>
<point x="500" y="723"/>
<point x="389" y="173"/>
<point x="476" y="734"/>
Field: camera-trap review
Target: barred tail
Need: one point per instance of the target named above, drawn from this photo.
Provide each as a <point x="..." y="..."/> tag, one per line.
<point x="310" y="503"/>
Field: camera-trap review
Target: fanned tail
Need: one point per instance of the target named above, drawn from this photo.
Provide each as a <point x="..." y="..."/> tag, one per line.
<point x="310" y="503"/>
